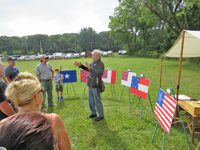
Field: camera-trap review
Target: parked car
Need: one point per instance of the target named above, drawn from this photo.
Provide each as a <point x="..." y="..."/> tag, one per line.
<point x="21" y="58"/>
<point x="105" y="54"/>
<point x="110" y="52"/>
<point x="69" y="55"/>
<point x="32" y="57"/>
<point x="120" y="52"/>
<point x="38" y="56"/>
<point x="27" y="58"/>
<point x="82" y="54"/>
<point x="58" y="55"/>
<point x="124" y="52"/>
<point x="88" y="54"/>
<point x="76" y="55"/>
<point x="16" y="56"/>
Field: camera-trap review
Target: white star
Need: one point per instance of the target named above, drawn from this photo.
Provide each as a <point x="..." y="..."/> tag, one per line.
<point x="67" y="76"/>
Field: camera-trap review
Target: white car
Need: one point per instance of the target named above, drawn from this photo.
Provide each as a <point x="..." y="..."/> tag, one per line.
<point x="27" y="58"/>
<point x="105" y="54"/>
<point x="69" y="55"/>
<point x="76" y="55"/>
<point x="21" y="58"/>
<point x="82" y="54"/>
<point x="110" y="52"/>
<point x="124" y="52"/>
<point x="58" y="55"/>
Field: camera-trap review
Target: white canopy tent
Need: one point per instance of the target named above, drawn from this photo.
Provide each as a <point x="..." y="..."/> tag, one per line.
<point x="187" y="45"/>
<point x="191" y="47"/>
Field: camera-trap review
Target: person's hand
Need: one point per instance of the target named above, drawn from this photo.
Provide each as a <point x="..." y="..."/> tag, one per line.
<point x="77" y="63"/>
<point x="51" y="78"/>
<point x="87" y="65"/>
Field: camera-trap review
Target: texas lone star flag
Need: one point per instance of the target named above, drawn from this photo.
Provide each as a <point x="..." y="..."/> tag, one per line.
<point x="109" y="76"/>
<point x="139" y="86"/>
<point x="69" y="76"/>
<point x="127" y="78"/>
<point x="164" y="110"/>
<point x="84" y="75"/>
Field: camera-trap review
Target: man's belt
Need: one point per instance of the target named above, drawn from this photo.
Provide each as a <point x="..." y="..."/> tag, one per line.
<point x="45" y="79"/>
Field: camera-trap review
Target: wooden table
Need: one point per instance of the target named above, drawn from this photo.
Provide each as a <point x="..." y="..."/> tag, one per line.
<point x="191" y="123"/>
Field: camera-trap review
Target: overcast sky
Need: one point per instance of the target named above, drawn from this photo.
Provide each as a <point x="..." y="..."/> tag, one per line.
<point x="29" y="17"/>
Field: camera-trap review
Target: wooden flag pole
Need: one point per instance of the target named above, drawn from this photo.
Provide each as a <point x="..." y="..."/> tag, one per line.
<point x="179" y="72"/>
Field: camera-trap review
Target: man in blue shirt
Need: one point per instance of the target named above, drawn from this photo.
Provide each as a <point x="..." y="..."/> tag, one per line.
<point x="11" y="71"/>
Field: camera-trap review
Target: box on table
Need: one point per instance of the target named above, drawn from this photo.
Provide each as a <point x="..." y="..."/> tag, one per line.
<point x="193" y="106"/>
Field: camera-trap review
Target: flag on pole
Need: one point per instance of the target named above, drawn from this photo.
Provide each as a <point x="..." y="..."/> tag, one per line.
<point x="164" y="110"/>
<point x="139" y="86"/>
<point x="69" y="76"/>
<point x="109" y="76"/>
<point x="127" y="78"/>
<point x="84" y="75"/>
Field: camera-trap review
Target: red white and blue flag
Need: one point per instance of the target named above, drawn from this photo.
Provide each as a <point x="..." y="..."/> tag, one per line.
<point x="109" y="76"/>
<point x="69" y="76"/>
<point x="127" y="78"/>
<point x="139" y="86"/>
<point x="84" y="75"/>
<point x="164" y="110"/>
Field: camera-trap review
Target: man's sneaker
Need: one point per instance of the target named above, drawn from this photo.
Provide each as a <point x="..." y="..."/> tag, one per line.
<point x="58" y="99"/>
<point x="62" y="98"/>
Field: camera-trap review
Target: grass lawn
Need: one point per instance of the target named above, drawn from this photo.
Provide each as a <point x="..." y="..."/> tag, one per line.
<point x="120" y="129"/>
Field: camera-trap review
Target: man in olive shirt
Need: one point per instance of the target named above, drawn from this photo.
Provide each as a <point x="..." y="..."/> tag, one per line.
<point x="45" y="74"/>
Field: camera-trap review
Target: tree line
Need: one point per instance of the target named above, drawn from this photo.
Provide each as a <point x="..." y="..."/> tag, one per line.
<point x="149" y="28"/>
<point x="86" y="40"/>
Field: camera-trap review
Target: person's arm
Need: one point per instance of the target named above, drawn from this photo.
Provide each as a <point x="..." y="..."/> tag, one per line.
<point x="63" y="138"/>
<point x="52" y="75"/>
<point x="5" y="79"/>
<point x="6" y="108"/>
<point x="80" y="65"/>
<point x="38" y="77"/>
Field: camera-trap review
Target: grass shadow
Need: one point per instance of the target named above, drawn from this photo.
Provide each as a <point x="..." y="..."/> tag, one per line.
<point x="109" y="136"/>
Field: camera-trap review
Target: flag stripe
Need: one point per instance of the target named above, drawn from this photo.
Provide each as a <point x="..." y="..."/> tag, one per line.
<point x="144" y="81"/>
<point x="138" y="93"/>
<point x="113" y="76"/>
<point x="143" y="88"/>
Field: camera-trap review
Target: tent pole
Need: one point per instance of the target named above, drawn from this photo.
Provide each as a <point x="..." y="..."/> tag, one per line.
<point x="179" y="72"/>
<point x="161" y="71"/>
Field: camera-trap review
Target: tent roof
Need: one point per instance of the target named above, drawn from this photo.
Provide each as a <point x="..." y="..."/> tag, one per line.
<point x="191" y="46"/>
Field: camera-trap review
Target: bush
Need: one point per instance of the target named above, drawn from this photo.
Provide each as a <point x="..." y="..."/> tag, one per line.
<point x="18" y="52"/>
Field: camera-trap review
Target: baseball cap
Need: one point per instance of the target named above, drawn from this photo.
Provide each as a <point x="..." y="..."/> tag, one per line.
<point x="44" y="56"/>
<point x="11" y="59"/>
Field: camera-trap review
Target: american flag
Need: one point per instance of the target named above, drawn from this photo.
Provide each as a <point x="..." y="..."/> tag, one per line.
<point x="164" y="110"/>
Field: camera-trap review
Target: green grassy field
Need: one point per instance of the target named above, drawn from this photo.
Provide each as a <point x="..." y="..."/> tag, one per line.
<point x="120" y="129"/>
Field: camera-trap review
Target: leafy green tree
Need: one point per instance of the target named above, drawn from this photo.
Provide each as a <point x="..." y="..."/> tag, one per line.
<point x="18" y="52"/>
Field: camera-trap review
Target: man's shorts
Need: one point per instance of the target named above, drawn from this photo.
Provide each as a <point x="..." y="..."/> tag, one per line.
<point x="60" y="89"/>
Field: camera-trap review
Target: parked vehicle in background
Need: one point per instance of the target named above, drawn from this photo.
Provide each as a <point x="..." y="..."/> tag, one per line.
<point x="88" y="54"/>
<point x="110" y="52"/>
<point x="32" y="57"/>
<point x="120" y="52"/>
<point x="1" y="56"/>
<point x="69" y="55"/>
<point x="76" y="55"/>
<point x="124" y="52"/>
<point x="58" y="55"/>
<point x="38" y="56"/>
<point x="27" y="58"/>
<point x="105" y="54"/>
<point x="82" y="54"/>
<point x="22" y="58"/>
<point x="16" y="56"/>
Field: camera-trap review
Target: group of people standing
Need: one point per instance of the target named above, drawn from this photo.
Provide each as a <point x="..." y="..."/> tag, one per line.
<point x="28" y="94"/>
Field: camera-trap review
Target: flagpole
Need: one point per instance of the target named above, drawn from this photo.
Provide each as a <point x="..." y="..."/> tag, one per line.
<point x="179" y="72"/>
<point x="161" y="71"/>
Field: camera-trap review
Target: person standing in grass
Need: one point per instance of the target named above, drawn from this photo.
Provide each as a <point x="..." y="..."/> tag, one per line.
<point x="96" y="69"/>
<point x="11" y="71"/>
<point x="58" y="78"/>
<point x="45" y="75"/>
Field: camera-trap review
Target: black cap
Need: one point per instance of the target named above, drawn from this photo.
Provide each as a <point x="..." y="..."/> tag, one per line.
<point x="11" y="59"/>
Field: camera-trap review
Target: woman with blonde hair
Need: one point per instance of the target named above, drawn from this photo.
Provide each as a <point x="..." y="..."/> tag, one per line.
<point x="26" y="92"/>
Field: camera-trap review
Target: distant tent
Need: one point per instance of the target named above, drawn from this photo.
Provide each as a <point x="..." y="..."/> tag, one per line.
<point x="191" y="46"/>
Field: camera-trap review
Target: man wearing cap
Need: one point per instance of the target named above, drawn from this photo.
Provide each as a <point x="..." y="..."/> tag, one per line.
<point x="45" y="75"/>
<point x="11" y="71"/>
